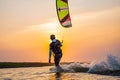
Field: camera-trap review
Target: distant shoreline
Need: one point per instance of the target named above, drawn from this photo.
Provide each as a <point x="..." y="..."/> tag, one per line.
<point x="25" y="64"/>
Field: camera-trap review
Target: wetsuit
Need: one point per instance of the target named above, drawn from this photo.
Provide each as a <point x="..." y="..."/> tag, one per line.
<point x="55" y="48"/>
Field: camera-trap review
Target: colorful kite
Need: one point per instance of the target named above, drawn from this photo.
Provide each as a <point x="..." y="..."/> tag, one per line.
<point x="63" y="13"/>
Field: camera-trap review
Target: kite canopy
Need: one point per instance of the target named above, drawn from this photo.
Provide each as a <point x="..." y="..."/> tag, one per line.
<point x="63" y="13"/>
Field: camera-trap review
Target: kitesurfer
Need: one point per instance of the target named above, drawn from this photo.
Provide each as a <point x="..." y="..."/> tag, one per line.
<point x="55" y="47"/>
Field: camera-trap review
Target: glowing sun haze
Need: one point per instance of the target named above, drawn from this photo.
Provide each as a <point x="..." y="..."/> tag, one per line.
<point x="25" y="27"/>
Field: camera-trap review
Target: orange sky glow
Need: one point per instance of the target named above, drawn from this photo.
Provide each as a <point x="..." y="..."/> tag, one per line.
<point x="94" y="34"/>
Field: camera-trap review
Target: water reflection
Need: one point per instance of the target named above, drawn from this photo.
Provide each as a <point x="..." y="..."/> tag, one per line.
<point x="56" y="76"/>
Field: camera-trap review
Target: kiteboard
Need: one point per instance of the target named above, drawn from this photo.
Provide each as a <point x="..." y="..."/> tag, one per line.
<point x="57" y="69"/>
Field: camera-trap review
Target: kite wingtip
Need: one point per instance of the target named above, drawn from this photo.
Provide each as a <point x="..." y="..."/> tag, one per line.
<point x="68" y="26"/>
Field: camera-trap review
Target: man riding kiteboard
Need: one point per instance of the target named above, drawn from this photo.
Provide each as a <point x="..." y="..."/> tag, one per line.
<point x="55" y="47"/>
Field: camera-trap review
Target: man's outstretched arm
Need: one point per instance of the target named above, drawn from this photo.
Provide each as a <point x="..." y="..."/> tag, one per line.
<point x="50" y="53"/>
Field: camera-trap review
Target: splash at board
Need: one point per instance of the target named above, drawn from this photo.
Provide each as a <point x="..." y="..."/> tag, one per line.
<point x="56" y="69"/>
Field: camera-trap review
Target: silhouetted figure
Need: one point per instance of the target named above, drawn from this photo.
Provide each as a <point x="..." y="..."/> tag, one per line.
<point x="55" y="47"/>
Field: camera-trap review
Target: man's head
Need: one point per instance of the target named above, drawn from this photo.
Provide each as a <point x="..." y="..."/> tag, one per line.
<point x="52" y="36"/>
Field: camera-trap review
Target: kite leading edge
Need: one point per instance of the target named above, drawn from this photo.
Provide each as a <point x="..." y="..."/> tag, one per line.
<point x="63" y="13"/>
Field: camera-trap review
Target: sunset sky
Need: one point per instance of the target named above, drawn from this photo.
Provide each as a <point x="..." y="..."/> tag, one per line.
<point x="25" y="27"/>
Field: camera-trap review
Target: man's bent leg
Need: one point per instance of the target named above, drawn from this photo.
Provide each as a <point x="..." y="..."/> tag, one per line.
<point x="57" y="59"/>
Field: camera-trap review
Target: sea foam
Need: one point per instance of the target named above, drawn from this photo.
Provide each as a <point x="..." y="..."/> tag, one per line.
<point x="112" y="63"/>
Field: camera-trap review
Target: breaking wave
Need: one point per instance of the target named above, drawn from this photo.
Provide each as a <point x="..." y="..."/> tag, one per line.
<point x="110" y="66"/>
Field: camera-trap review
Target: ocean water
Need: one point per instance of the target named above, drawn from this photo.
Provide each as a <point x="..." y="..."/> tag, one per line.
<point x="43" y="73"/>
<point x="73" y="71"/>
